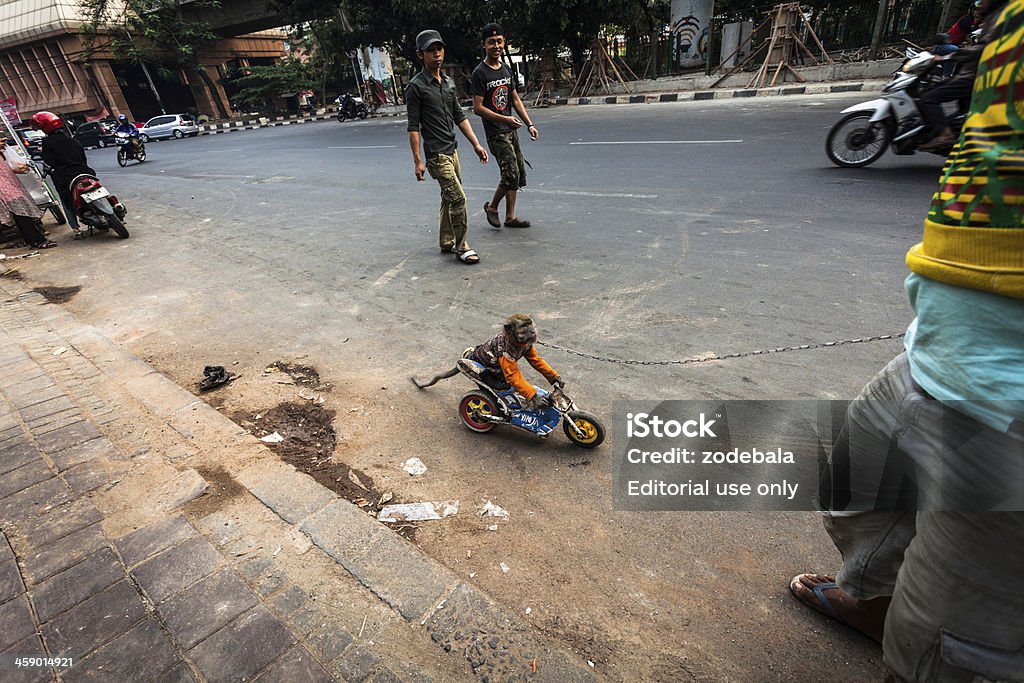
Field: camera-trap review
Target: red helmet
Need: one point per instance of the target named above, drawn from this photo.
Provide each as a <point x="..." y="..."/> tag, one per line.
<point x="46" y="121"/>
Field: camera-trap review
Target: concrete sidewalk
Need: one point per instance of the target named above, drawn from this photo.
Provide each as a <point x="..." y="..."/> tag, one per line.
<point x="144" y="536"/>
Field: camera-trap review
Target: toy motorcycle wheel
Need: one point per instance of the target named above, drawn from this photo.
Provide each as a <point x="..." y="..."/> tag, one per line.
<point x="593" y="430"/>
<point x="472" y="408"/>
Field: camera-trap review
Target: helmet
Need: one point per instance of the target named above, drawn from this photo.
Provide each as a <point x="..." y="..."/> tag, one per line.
<point x="122" y="117"/>
<point x="46" y="121"/>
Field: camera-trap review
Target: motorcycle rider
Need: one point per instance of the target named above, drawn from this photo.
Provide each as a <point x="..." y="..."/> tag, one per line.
<point x="128" y="128"/>
<point x="500" y="356"/>
<point x="958" y="87"/>
<point x="66" y="158"/>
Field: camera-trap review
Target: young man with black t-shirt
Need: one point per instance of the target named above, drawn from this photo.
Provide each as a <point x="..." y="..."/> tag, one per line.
<point x="495" y="94"/>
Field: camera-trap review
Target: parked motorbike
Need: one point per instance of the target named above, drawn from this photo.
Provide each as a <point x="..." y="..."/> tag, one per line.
<point x="129" y="147"/>
<point x="861" y="137"/>
<point x="351" y="108"/>
<point x="95" y="206"/>
<point x="486" y="406"/>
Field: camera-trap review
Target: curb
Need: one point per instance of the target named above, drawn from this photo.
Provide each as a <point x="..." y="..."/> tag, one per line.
<point x="460" y="618"/>
<point x="253" y="124"/>
<point x="696" y="95"/>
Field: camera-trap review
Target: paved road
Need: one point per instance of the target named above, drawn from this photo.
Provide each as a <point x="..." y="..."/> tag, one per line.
<point x="719" y="227"/>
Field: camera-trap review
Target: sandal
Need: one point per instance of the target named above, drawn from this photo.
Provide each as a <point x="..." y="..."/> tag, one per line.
<point x="517" y="223"/>
<point x="469" y="257"/>
<point x="448" y="250"/>
<point x="45" y="245"/>
<point x="492" y="216"/>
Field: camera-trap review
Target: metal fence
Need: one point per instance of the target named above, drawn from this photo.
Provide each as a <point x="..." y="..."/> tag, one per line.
<point x="852" y="27"/>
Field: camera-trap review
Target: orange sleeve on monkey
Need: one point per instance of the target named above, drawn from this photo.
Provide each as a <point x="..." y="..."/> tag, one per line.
<point x="539" y="365"/>
<point x="512" y="375"/>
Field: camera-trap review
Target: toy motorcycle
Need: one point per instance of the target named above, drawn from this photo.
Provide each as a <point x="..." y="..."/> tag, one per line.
<point x="487" y="406"/>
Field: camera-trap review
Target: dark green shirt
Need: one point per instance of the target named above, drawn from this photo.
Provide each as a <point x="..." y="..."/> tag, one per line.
<point x="434" y="111"/>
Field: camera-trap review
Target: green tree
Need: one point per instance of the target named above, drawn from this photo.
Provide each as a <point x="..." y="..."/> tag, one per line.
<point x="152" y="32"/>
<point x="260" y="86"/>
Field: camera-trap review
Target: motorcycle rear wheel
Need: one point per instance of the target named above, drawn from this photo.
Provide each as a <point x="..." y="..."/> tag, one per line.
<point x="472" y="406"/>
<point x="118" y="226"/>
<point x="362" y="114"/>
<point x="852" y="144"/>
<point x="593" y="430"/>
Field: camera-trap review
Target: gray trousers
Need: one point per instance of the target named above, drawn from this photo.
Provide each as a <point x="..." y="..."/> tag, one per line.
<point x="955" y="575"/>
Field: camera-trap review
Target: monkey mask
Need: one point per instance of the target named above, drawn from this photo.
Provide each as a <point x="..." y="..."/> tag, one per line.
<point x="521" y="329"/>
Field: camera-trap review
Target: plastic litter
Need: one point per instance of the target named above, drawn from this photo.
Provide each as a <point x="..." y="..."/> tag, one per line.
<point x="489" y="509"/>
<point x="418" y="512"/>
<point x="414" y="466"/>
<point x="272" y="438"/>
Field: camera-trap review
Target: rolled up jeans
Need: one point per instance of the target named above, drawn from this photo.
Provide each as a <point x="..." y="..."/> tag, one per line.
<point x="955" y="575"/>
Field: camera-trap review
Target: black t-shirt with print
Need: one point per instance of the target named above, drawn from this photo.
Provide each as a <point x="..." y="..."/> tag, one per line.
<point x="495" y="86"/>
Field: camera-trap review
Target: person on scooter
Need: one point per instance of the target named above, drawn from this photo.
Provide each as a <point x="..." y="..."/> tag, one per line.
<point x="66" y="158"/>
<point x="500" y="356"/>
<point x="958" y="88"/>
<point x="128" y="128"/>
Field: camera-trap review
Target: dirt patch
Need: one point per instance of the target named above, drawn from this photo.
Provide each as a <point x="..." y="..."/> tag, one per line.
<point x="307" y="442"/>
<point x="58" y="295"/>
<point x="223" y="489"/>
<point x="300" y="374"/>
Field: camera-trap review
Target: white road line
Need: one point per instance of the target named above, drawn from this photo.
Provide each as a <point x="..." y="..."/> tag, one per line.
<point x="366" y="147"/>
<point x="659" y="142"/>
<point x="574" y="193"/>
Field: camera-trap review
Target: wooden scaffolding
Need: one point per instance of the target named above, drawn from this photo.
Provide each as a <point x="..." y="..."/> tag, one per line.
<point x="600" y="70"/>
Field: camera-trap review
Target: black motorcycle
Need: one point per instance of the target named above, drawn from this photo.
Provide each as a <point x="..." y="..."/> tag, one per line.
<point x="351" y="108"/>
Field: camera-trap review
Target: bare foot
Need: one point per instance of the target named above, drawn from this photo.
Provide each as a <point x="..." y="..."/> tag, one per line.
<point x="866" y="616"/>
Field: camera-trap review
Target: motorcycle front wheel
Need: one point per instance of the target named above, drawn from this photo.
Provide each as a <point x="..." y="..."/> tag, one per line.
<point x="473" y="406"/>
<point x="854" y="143"/>
<point x="341" y="117"/>
<point x="122" y="158"/>
<point x="593" y="430"/>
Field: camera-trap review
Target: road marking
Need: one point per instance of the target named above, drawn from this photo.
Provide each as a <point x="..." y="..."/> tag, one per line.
<point x="658" y="142"/>
<point x="391" y="274"/>
<point x="575" y="193"/>
<point x="366" y="147"/>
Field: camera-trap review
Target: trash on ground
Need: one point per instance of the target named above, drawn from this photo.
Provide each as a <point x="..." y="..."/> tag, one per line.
<point x="493" y="527"/>
<point x="489" y="509"/>
<point x="504" y="567"/>
<point x="59" y="351"/>
<point x="418" y="512"/>
<point x="272" y="438"/>
<point x="214" y="376"/>
<point x="385" y="498"/>
<point x="414" y="466"/>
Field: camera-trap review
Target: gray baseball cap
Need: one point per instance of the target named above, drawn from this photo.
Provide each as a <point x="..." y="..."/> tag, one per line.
<point x="427" y="38"/>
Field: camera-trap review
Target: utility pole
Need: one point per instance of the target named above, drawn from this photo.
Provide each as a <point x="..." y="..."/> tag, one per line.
<point x="145" y="70"/>
<point x="947" y="9"/>
<point x="876" y="38"/>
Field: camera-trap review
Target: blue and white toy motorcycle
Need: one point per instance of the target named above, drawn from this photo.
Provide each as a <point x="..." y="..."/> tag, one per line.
<point x="486" y="406"/>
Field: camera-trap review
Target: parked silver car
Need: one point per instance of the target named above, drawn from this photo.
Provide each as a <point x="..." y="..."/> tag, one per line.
<point x="167" y="126"/>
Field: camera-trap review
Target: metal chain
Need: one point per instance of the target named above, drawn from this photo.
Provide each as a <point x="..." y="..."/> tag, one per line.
<point x="689" y="361"/>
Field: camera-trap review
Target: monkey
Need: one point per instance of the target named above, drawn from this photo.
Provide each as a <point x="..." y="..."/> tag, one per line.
<point x="500" y="356"/>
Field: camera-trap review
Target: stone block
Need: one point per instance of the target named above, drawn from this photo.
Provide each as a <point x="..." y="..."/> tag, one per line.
<point x="27" y="475"/>
<point x="10" y="580"/>
<point x="297" y="665"/>
<point x="29" y="647"/>
<point x="92" y="474"/>
<point x="706" y="95"/>
<point x="46" y="559"/>
<point x="329" y="641"/>
<point x="17" y="452"/>
<point x="243" y="647"/>
<point x="30" y="502"/>
<point x="288" y="601"/>
<point x="132" y="656"/>
<point x="752" y="92"/>
<point x="356" y="665"/>
<point x="668" y="97"/>
<point x="200" y="610"/>
<point x="58" y="522"/>
<point x="77" y="583"/>
<point x="151" y="539"/>
<point x="83" y="452"/>
<point x="177" y="674"/>
<point x="96" y="621"/>
<point x="40" y="396"/>
<point x="67" y="437"/>
<point x="173" y="570"/>
<point x="288" y="492"/>
<point x="342" y="530"/>
<point x="15" y="621"/>
<point x="38" y="411"/>
<point x="54" y="422"/>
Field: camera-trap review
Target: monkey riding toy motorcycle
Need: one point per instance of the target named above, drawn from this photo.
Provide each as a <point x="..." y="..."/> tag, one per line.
<point x="486" y="406"/>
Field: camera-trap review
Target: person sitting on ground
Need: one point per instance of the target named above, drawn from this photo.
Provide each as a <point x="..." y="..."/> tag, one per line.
<point x="16" y="205"/>
<point x="66" y="158"/>
<point x="500" y="356"/>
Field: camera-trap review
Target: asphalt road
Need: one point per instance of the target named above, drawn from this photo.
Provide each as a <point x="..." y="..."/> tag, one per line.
<point x="659" y="232"/>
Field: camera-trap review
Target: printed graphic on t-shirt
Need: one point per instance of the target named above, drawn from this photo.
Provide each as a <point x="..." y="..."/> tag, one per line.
<point x="499" y="98"/>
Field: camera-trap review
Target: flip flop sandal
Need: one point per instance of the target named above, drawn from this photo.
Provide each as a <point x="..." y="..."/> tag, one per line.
<point x="45" y="245"/>
<point x="469" y="257"/>
<point x="214" y="376"/>
<point x="448" y="250"/>
<point x="517" y="223"/>
<point x="492" y="216"/>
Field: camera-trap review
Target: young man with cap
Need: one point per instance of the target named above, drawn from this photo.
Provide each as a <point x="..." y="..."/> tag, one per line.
<point x="495" y="94"/>
<point x="433" y="113"/>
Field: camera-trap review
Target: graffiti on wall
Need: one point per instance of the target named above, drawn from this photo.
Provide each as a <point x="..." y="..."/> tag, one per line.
<point x="691" y="22"/>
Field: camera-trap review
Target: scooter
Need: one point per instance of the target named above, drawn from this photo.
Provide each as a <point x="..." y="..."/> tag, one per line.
<point x="486" y="406"/>
<point x="129" y="147"/>
<point x="861" y="137"/>
<point x="95" y="206"/>
<point x="351" y="108"/>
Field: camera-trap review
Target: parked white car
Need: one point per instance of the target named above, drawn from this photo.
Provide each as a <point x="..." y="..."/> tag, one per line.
<point x="168" y="126"/>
